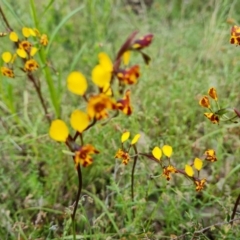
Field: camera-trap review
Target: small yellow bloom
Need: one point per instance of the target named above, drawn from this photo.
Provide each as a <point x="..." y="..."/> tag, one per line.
<point x="167" y="150"/>
<point x="200" y="184"/>
<point x="98" y="105"/>
<point x="58" y="130"/>
<point x="77" y="83"/>
<point x="44" y="40"/>
<point x="210" y="155"/>
<point x="212" y="117"/>
<point x="125" y="136"/>
<point x="7" y="72"/>
<point x="213" y="93"/>
<point x="13" y="37"/>
<point x="168" y="170"/>
<point x="102" y="73"/>
<point x="135" y="139"/>
<point x="6" y="57"/>
<point x="198" y="164"/>
<point x="204" y="102"/>
<point x="79" y="120"/>
<point x="189" y="170"/>
<point x="31" y="65"/>
<point x="157" y="153"/>
<point x="124" y="156"/>
<point x="83" y="155"/>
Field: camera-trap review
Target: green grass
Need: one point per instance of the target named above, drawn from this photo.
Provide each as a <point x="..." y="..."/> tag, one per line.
<point x="190" y="53"/>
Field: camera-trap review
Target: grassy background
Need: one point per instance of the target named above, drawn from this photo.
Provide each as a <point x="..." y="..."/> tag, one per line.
<point x="190" y="53"/>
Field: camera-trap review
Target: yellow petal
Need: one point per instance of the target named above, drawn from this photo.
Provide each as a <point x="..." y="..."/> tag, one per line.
<point x="6" y="57"/>
<point x="100" y="76"/>
<point x="13" y="37"/>
<point x="58" y="130"/>
<point x="135" y="139"/>
<point x="107" y="90"/>
<point x="189" y="170"/>
<point x="198" y="163"/>
<point x="32" y="32"/>
<point x="79" y="120"/>
<point x="105" y="61"/>
<point x="125" y="136"/>
<point x="33" y="51"/>
<point x="21" y="53"/>
<point x="126" y="57"/>
<point x="25" y="31"/>
<point x="167" y="150"/>
<point x="77" y="83"/>
<point x="157" y="153"/>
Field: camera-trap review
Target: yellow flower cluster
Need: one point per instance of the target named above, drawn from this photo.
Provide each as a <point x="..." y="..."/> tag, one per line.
<point x="25" y="50"/>
<point x="210" y="155"/>
<point x="122" y="153"/>
<point x="99" y="105"/>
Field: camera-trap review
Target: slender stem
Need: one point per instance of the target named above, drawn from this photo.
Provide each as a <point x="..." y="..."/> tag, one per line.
<point x="5" y="20"/>
<point x="89" y="126"/>
<point x="39" y="93"/>
<point x="132" y="176"/>
<point x="77" y="198"/>
<point x="235" y="208"/>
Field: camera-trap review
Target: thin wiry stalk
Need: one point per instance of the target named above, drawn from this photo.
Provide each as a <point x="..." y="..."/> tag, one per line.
<point x="132" y="176"/>
<point x="235" y="208"/>
<point x="40" y="96"/>
<point x="77" y="198"/>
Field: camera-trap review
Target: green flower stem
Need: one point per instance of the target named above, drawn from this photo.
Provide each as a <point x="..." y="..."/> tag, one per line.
<point x="132" y="176"/>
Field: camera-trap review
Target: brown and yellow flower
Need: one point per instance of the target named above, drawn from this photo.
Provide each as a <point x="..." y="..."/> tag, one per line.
<point x="129" y="75"/>
<point x="213" y="93"/>
<point x="98" y="105"/>
<point x="200" y="184"/>
<point x="124" y="104"/>
<point x="124" y="156"/>
<point x="44" y="40"/>
<point x="168" y="170"/>
<point x="142" y="42"/>
<point x="210" y="155"/>
<point x="235" y="35"/>
<point x="26" y="45"/>
<point x="31" y="65"/>
<point x="7" y="72"/>
<point x="212" y="117"/>
<point x="204" y="102"/>
<point x="83" y="155"/>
